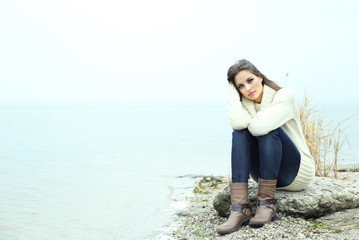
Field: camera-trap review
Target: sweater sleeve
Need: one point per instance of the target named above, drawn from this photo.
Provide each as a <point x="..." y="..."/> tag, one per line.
<point x="239" y="117"/>
<point x="274" y="115"/>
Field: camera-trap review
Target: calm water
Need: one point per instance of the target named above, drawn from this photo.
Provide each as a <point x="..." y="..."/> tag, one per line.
<point x="107" y="172"/>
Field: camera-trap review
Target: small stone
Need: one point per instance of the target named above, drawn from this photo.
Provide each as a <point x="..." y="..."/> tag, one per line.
<point x="183" y="213"/>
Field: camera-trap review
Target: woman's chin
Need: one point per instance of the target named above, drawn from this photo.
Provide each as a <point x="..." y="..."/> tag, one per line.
<point x="251" y="98"/>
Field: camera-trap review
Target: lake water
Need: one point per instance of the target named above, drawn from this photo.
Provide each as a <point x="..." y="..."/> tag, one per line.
<point x="108" y="171"/>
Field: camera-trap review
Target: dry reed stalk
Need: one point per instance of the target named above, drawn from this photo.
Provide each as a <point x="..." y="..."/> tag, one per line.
<point x="324" y="144"/>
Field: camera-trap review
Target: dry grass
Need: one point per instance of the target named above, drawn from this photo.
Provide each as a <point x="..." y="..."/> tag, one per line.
<point x="324" y="141"/>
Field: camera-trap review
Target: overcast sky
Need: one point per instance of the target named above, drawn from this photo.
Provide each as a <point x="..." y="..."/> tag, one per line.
<point x="164" y="50"/>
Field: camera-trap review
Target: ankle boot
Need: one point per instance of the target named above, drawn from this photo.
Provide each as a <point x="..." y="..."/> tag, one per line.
<point x="240" y="211"/>
<point x="266" y="210"/>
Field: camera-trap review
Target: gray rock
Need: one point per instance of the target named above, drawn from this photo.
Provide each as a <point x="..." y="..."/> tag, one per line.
<point x="323" y="196"/>
<point x="348" y="168"/>
<point x="207" y="179"/>
<point x="183" y="213"/>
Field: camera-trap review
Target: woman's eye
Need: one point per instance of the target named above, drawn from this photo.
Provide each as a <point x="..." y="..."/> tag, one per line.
<point x="240" y="86"/>
<point x="250" y="80"/>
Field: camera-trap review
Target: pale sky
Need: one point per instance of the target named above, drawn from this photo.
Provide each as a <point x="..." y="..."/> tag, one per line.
<point x="164" y="50"/>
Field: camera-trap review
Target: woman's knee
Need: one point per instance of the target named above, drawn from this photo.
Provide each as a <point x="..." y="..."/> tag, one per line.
<point x="239" y="134"/>
<point x="241" y="137"/>
<point x="269" y="136"/>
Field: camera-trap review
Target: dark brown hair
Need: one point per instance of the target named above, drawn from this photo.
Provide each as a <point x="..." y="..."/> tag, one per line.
<point x="243" y="64"/>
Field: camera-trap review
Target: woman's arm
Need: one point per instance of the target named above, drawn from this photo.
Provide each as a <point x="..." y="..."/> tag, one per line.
<point x="274" y="115"/>
<point x="239" y="117"/>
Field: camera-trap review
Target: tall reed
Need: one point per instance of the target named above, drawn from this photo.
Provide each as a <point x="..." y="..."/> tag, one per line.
<point x="325" y="143"/>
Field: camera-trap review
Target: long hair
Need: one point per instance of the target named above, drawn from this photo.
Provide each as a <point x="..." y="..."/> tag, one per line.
<point x="244" y="64"/>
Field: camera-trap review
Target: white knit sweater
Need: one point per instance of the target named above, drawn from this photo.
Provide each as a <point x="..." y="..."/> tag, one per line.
<point x="277" y="109"/>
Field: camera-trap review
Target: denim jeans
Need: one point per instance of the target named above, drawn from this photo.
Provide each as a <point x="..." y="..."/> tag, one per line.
<point x="271" y="156"/>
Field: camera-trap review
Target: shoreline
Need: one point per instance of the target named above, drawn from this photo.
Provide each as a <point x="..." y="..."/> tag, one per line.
<point x="197" y="219"/>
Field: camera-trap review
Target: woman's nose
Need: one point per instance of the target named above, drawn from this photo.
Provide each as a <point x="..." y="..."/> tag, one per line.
<point x="248" y="88"/>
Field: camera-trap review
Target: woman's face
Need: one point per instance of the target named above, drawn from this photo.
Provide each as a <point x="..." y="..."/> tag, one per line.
<point x="249" y="85"/>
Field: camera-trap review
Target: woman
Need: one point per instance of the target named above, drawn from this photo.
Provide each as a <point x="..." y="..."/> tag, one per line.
<point x="267" y="144"/>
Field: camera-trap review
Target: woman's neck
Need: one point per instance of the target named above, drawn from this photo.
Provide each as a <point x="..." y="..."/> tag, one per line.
<point x="259" y="99"/>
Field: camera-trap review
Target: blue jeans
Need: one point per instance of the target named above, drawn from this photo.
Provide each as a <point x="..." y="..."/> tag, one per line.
<point x="271" y="156"/>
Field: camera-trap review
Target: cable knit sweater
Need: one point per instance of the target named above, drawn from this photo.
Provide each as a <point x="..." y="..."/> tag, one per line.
<point x="277" y="109"/>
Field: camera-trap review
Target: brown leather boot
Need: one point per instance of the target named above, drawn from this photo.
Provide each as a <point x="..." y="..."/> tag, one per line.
<point x="266" y="211"/>
<point x="240" y="211"/>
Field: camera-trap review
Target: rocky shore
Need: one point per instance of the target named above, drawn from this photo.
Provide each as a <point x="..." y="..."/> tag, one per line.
<point x="199" y="219"/>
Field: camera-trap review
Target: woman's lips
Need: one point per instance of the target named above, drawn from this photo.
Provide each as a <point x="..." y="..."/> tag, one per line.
<point x="251" y="94"/>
